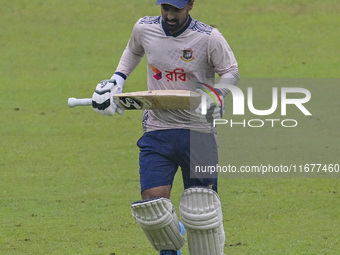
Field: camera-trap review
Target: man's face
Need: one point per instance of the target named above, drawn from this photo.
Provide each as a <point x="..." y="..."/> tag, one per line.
<point x="175" y="19"/>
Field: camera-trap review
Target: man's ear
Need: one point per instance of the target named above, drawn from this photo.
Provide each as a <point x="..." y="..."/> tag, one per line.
<point x="191" y="4"/>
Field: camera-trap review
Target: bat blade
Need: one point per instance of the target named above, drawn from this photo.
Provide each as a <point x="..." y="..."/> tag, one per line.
<point x="159" y="99"/>
<point x="152" y="99"/>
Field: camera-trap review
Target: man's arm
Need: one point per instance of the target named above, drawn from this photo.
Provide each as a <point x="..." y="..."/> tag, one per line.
<point x="223" y="60"/>
<point x="102" y="99"/>
<point x="132" y="54"/>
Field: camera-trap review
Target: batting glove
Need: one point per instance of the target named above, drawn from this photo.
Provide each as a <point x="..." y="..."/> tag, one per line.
<point x="102" y="98"/>
<point x="214" y="105"/>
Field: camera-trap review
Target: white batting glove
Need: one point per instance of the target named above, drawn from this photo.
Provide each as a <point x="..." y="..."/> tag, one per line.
<point x="214" y="105"/>
<point x="102" y="98"/>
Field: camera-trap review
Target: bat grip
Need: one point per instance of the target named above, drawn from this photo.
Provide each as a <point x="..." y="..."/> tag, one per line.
<point x="72" y="101"/>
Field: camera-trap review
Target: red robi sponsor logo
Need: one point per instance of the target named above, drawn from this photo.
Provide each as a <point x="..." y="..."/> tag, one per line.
<point x="176" y="75"/>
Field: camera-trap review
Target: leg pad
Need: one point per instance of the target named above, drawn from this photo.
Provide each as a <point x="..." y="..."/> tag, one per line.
<point x="159" y="221"/>
<point x="201" y="214"/>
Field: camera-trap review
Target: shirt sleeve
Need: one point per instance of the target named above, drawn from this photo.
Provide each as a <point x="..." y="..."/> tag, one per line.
<point x="221" y="56"/>
<point x="222" y="59"/>
<point x="132" y="54"/>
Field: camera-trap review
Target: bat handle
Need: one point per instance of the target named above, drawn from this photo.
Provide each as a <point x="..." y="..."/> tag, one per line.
<point x="72" y="101"/>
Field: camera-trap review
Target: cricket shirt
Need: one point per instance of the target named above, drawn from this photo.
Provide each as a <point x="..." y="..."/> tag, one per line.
<point x="184" y="61"/>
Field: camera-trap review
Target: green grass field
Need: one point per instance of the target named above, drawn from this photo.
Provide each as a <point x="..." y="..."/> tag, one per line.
<point x="69" y="176"/>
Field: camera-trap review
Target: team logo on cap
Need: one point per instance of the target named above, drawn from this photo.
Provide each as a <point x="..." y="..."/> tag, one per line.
<point x="187" y="55"/>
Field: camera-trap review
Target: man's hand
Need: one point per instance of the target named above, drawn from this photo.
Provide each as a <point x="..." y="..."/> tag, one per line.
<point x="102" y="98"/>
<point x="214" y="105"/>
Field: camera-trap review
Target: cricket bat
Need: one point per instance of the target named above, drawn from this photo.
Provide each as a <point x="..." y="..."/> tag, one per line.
<point x="152" y="99"/>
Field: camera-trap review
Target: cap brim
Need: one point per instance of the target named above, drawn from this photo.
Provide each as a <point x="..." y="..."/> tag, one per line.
<point x="177" y="4"/>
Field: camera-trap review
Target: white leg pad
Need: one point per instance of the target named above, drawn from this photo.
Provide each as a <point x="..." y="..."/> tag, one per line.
<point x="201" y="214"/>
<point x="159" y="221"/>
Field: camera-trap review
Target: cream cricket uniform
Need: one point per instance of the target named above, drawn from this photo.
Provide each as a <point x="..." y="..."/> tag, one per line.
<point x="177" y="62"/>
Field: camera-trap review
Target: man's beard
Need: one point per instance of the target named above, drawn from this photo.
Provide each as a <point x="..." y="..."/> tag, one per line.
<point x="175" y="27"/>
